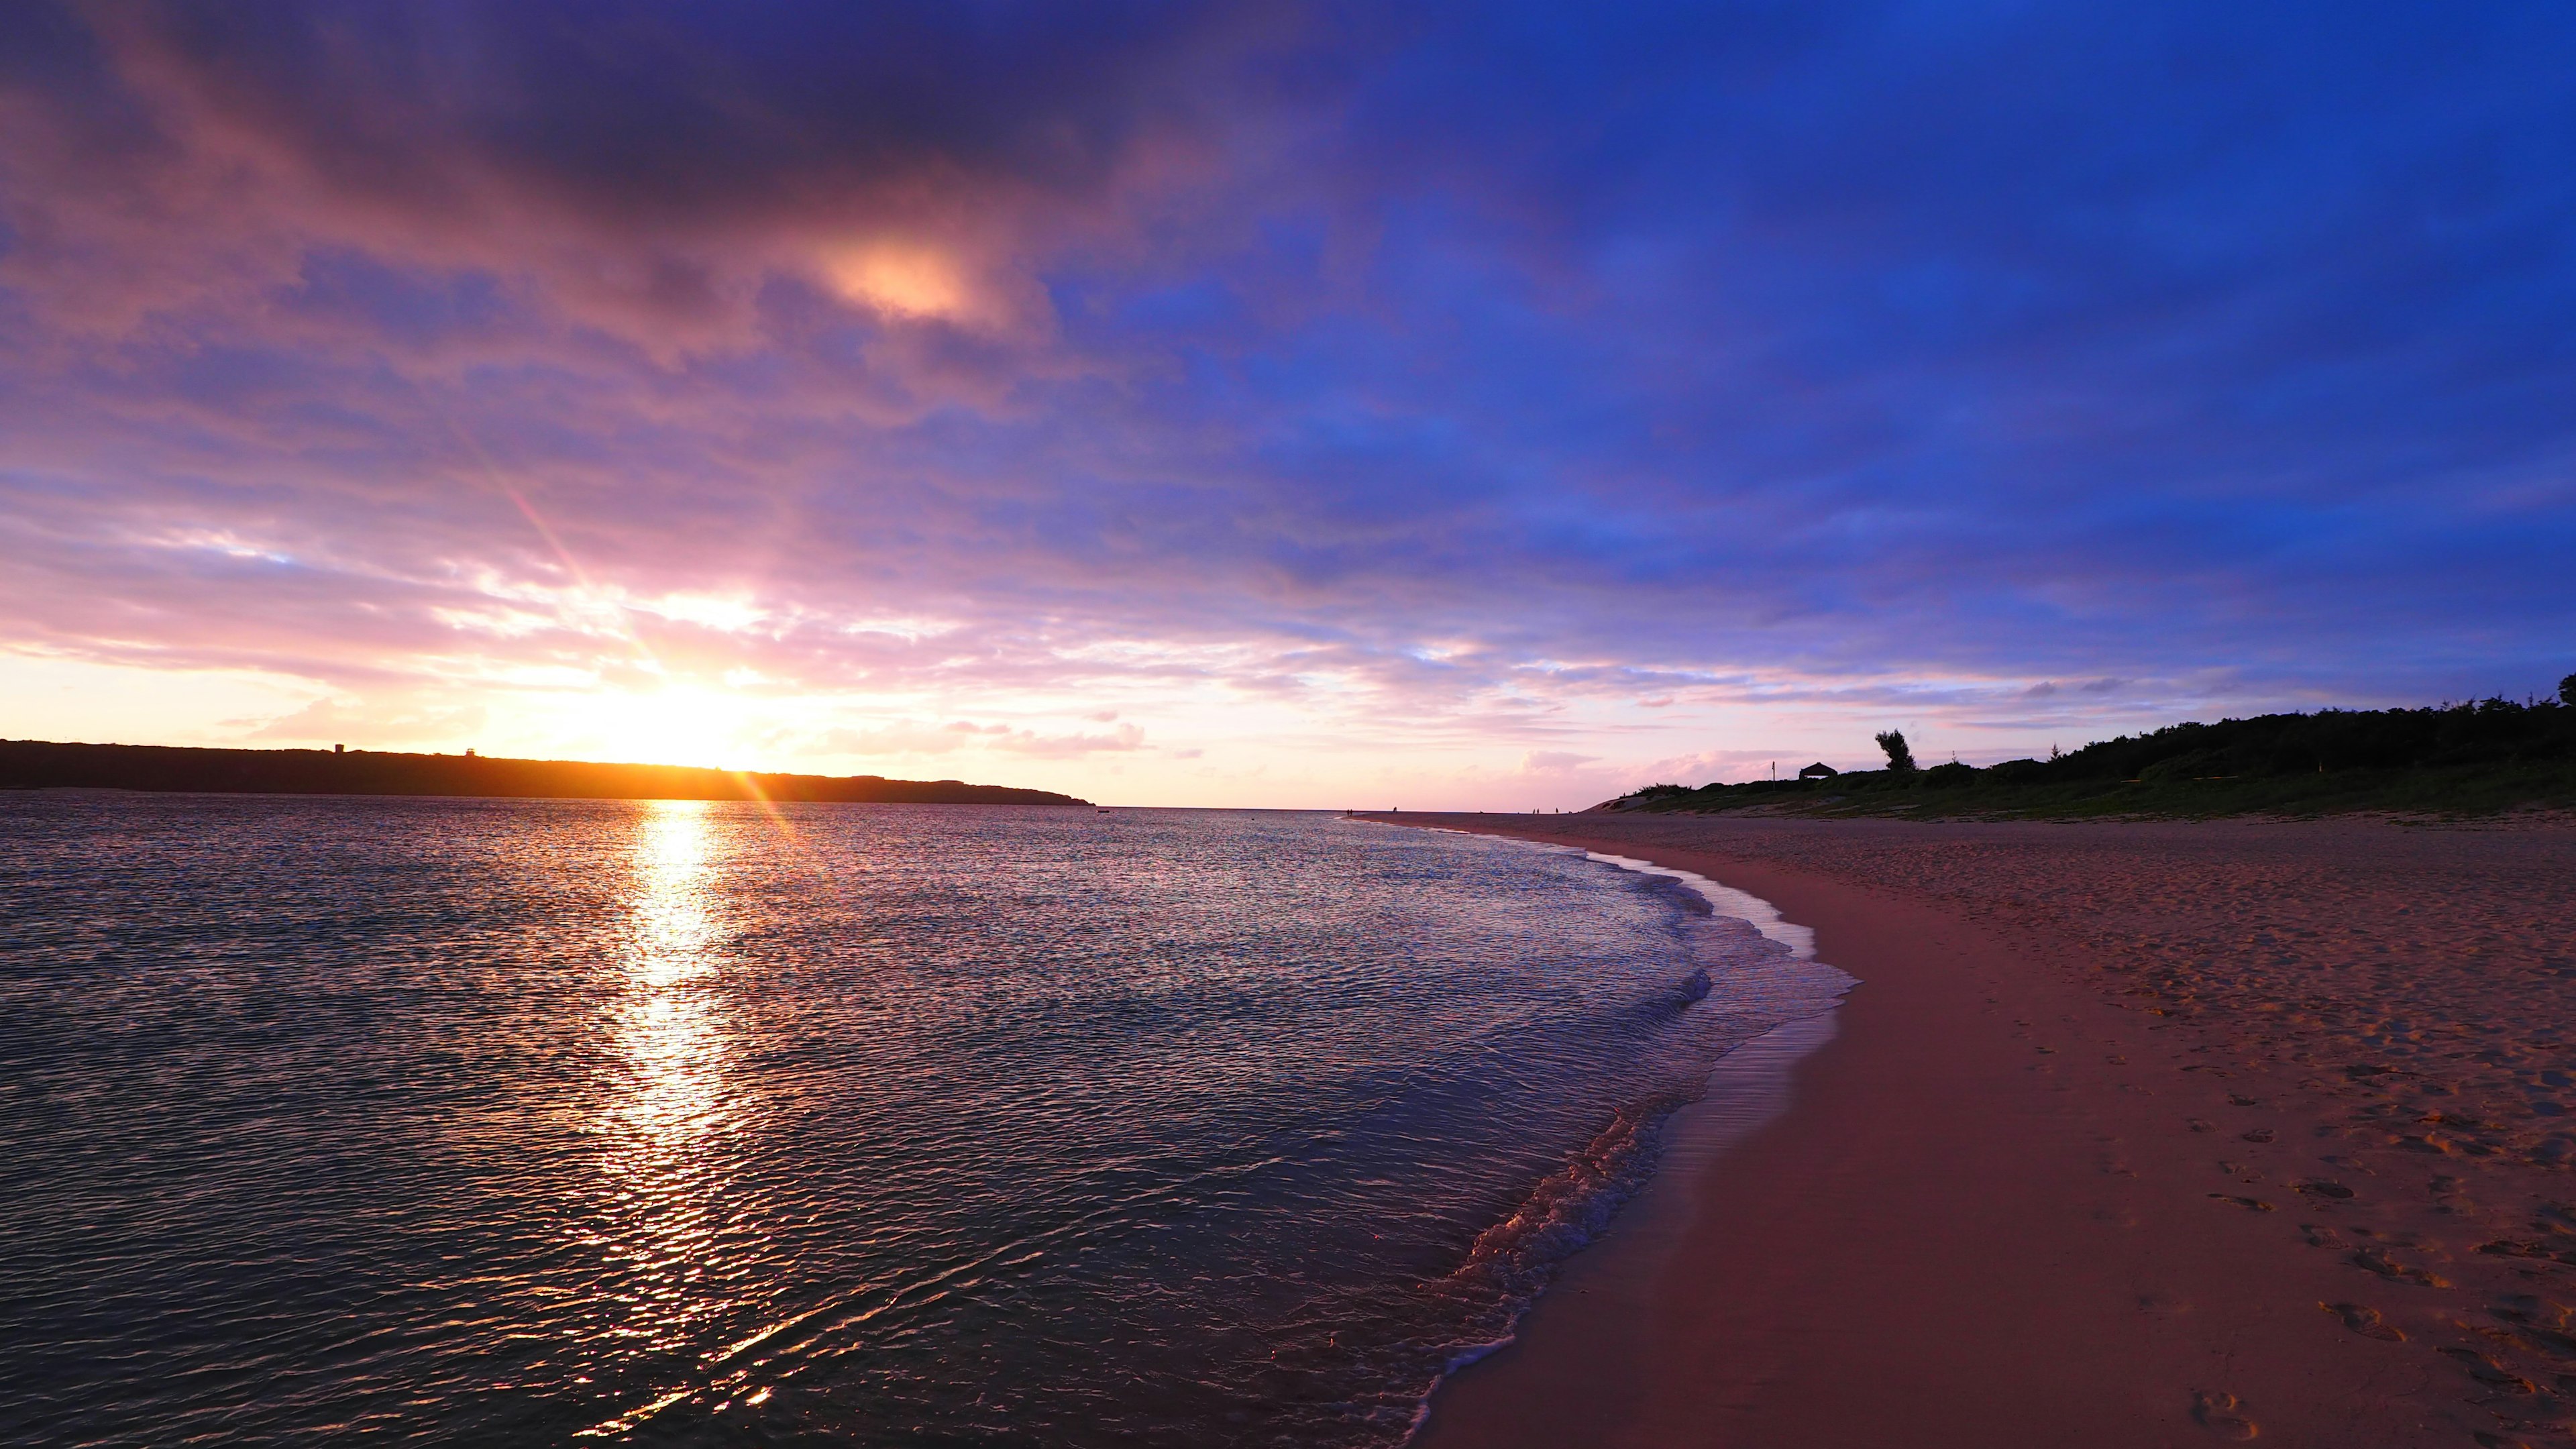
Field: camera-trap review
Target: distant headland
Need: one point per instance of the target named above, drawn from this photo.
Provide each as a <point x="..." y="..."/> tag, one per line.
<point x="2475" y="758"/>
<point x="39" y="765"/>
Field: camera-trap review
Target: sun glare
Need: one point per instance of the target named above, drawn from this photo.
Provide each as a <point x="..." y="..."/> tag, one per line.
<point x="675" y="726"/>
<point x="907" y="281"/>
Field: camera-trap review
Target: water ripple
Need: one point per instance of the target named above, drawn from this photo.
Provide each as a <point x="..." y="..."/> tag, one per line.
<point x="515" y="1122"/>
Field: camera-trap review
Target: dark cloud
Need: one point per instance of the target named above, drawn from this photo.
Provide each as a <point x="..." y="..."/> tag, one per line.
<point x="660" y="115"/>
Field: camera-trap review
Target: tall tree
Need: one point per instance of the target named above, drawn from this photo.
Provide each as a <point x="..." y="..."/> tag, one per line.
<point x="1900" y="757"/>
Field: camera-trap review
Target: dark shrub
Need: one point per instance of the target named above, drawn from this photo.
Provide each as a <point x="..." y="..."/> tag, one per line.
<point x="1900" y="756"/>
<point x="2198" y="765"/>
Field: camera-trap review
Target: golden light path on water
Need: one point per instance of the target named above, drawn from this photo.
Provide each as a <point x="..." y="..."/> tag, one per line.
<point x="674" y="1104"/>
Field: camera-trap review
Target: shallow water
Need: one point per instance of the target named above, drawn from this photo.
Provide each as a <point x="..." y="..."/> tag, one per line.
<point x="507" y="1122"/>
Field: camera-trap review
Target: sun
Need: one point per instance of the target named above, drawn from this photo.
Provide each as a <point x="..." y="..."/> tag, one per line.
<point x="674" y="725"/>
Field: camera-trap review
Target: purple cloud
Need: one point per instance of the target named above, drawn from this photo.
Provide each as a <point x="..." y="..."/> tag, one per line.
<point x="1484" y="388"/>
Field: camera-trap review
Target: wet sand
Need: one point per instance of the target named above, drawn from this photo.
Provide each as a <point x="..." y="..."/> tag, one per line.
<point x="2132" y="1134"/>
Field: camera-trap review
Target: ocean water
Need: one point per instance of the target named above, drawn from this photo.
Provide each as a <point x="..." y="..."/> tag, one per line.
<point x="522" y="1122"/>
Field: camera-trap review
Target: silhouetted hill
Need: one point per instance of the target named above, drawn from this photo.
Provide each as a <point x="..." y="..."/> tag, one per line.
<point x="2490" y="755"/>
<point x="37" y="765"/>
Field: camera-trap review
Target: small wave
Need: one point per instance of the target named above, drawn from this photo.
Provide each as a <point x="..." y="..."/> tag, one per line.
<point x="1472" y="1353"/>
<point x="1459" y="1357"/>
<point x="1678" y="999"/>
<point x="1570" y="1206"/>
<point x="1681" y="996"/>
<point x="1514" y="1259"/>
<point x="1723" y="900"/>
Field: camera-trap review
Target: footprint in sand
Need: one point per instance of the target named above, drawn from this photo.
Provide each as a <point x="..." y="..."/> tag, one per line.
<point x="2490" y="1373"/>
<point x="2259" y="1134"/>
<point x="2394" y="1271"/>
<point x="2223" y="1415"/>
<point x="2320" y="1236"/>
<point x="2197" y="1125"/>
<point x="2539" y="1323"/>
<point x="2252" y="1204"/>
<point x="2322" y="1187"/>
<point x="2364" y="1321"/>
<point x="2517" y="1248"/>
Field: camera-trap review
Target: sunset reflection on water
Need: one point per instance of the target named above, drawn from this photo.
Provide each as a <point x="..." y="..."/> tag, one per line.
<point x="673" y="1108"/>
<point x="667" y="1027"/>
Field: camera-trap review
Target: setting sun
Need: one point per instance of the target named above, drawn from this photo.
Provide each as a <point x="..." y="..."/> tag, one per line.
<point x="677" y="725"/>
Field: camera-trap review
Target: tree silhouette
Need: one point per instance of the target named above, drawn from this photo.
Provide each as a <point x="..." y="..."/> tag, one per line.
<point x="2567" y="690"/>
<point x="1900" y="757"/>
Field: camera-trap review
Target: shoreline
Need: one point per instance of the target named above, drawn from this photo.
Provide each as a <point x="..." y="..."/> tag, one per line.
<point x="1745" y="1088"/>
<point x="1748" y="1087"/>
<point x="2032" y="1192"/>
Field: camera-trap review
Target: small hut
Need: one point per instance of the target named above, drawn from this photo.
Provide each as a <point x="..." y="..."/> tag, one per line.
<point x="1818" y="771"/>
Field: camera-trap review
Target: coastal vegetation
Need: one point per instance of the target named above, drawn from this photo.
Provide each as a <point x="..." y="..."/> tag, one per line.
<point x="1900" y="755"/>
<point x="39" y="765"/>
<point x="2458" y="759"/>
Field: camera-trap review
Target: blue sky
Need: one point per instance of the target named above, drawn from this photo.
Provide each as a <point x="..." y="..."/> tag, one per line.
<point x="1270" y="404"/>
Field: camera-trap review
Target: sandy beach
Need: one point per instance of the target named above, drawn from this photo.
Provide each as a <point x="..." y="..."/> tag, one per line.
<point x="2131" y="1134"/>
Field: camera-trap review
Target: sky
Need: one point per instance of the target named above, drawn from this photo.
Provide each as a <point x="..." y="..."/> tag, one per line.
<point x="1278" y="404"/>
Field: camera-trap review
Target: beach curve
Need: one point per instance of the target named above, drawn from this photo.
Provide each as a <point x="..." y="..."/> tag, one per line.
<point x="2046" y="1186"/>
